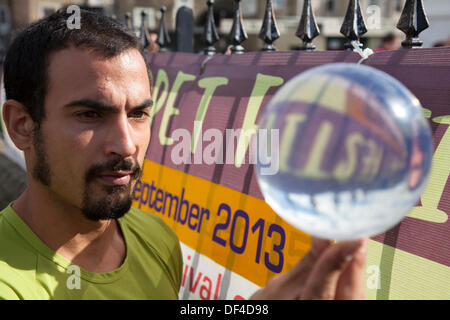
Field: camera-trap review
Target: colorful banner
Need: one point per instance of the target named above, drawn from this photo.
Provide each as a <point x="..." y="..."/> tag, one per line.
<point x="232" y="241"/>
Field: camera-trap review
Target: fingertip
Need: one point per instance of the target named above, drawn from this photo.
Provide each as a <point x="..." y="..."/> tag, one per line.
<point x="365" y="243"/>
<point x="341" y="262"/>
<point x="351" y="284"/>
<point x="350" y="248"/>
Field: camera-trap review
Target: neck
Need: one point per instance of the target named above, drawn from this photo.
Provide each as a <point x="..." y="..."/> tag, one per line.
<point x="97" y="246"/>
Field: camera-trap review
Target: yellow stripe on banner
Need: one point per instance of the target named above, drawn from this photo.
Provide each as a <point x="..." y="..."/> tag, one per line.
<point x="248" y="238"/>
<point x="239" y="232"/>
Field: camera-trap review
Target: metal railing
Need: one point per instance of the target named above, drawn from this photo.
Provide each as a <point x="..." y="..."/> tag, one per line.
<point x="412" y="22"/>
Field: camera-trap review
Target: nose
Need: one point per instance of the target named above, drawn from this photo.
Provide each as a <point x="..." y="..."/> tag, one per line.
<point x="120" y="139"/>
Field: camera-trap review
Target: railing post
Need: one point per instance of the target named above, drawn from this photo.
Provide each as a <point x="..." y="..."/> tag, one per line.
<point x="210" y="36"/>
<point x="143" y="36"/>
<point x="184" y="30"/>
<point x="307" y="29"/>
<point x="269" y="29"/>
<point x="163" y="39"/>
<point x="354" y="26"/>
<point x="237" y="34"/>
<point x="413" y="21"/>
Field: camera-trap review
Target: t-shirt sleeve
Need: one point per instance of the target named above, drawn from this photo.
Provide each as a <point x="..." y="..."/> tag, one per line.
<point x="178" y="262"/>
<point x="163" y="240"/>
<point x="173" y="251"/>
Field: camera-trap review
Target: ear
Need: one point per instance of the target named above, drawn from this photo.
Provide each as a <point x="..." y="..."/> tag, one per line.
<point x="19" y="124"/>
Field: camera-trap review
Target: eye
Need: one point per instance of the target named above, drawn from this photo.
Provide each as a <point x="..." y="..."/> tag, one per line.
<point x="88" y="115"/>
<point x="139" y="114"/>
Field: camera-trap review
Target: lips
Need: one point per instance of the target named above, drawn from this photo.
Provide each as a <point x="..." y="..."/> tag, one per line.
<point x="118" y="178"/>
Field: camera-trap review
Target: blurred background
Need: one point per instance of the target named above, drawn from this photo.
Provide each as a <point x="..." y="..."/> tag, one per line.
<point x="381" y="17"/>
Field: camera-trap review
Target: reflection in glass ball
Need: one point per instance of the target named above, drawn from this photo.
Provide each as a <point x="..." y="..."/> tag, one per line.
<point x="354" y="153"/>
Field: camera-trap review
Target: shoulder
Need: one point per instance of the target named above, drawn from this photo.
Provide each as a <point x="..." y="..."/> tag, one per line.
<point x="149" y="226"/>
<point x="11" y="242"/>
<point x="17" y="261"/>
<point x="154" y="231"/>
<point x="3" y="214"/>
<point x="158" y="237"/>
<point x="14" y="246"/>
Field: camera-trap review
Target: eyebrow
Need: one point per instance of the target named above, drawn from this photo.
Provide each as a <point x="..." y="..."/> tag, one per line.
<point x="92" y="104"/>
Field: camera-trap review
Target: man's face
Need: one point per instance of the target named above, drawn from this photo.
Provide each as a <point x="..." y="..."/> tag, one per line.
<point x="91" y="145"/>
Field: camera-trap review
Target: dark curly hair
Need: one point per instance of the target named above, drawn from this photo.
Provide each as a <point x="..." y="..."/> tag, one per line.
<point x="27" y="60"/>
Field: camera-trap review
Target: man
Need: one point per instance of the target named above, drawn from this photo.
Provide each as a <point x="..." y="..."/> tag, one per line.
<point x="78" y="106"/>
<point x="391" y="41"/>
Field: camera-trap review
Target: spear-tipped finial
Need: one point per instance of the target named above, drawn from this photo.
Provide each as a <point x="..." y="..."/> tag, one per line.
<point x="163" y="35"/>
<point x="354" y="26"/>
<point x="307" y="29"/>
<point x="269" y="29"/>
<point x="143" y="35"/>
<point x="413" y="21"/>
<point x="237" y="34"/>
<point x="210" y="35"/>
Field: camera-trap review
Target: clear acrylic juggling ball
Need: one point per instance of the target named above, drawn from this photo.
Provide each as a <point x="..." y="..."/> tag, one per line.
<point x="354" y="151"/>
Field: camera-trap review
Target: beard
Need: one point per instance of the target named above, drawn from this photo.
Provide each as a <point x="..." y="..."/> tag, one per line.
<point x="115" y="201"/>
<point x="41" y="170"/>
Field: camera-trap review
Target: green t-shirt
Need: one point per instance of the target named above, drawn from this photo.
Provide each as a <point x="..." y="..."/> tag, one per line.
<point x="29" y="269"/>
